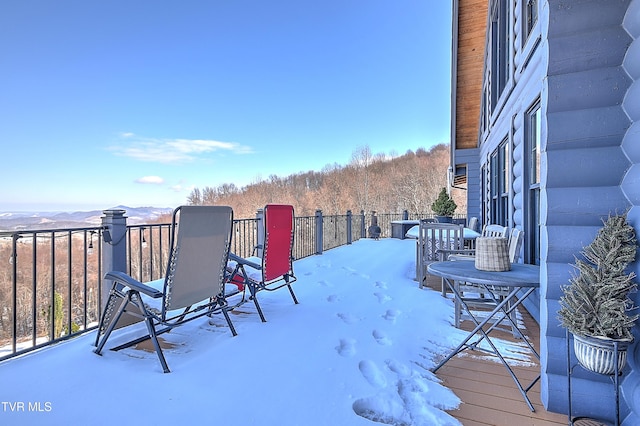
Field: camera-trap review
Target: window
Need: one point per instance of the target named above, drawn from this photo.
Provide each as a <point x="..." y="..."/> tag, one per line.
<point x="483" y="191"/>
<point x="500" y="49"/>
<point x="499" y="184"/>
<point x="529" y="16"/>
<point x="498" y="59"/>
<point x="532" y="208"/>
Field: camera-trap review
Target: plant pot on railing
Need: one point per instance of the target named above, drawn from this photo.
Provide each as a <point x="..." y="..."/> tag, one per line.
<point x="443" y="219"/>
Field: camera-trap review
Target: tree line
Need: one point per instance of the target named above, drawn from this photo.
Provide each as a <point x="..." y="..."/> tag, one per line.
<point x="65" y="296"/>
<point x="369" y="182"/>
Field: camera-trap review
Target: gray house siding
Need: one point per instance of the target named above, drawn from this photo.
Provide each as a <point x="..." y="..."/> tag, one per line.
<point x="585" y="166"/>
<point x="508" y="122"/>
<point x="631" y="188"/>
<point x="470" y="158"/>
<point x="581" y="63"/>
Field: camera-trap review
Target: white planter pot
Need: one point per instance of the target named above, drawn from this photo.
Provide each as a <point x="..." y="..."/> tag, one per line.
<point x="598" y="354"/>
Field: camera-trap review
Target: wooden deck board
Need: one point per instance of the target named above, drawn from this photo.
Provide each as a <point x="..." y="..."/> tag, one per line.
<point x="488" y="393"/>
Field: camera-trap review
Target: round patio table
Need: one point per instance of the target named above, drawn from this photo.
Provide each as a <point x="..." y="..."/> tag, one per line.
<point x="521" y="281"/>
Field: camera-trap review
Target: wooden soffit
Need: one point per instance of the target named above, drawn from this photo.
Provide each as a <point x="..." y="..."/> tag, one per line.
<point x="471" y="37"/>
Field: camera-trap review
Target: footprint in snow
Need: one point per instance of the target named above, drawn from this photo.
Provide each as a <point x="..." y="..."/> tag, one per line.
<point x="351" y="270"/>
<point x="402" y="370"/>
<point x="381" y="410"/>
<point x="382" y="297"/>
<point x="381" y="284"/>
<point x="348" y="318"/>
<point x="324" y="283"/>
<point x="346" y="347"/>
<point x="372" y="374"/>
<point x="391" y="315"/>
<point x="406" y="399"/>
<point x="333" y="298"/>
<point x="381" y="338"/>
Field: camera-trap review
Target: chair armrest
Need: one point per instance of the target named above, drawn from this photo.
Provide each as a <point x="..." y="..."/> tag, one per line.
<point x="462" y="257"/>
<point x="124" y="279"/>
<point x="448" y="252"/>
<point x="243" y="261"/>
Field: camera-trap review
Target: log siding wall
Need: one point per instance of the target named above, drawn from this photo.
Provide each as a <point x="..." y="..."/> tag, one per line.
<point x="631" y="187"/>
<point x="582" y="64"/>
<point x="583" y="93"/>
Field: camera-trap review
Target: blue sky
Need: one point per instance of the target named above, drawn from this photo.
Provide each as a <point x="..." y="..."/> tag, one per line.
<point x="138" y="102"/>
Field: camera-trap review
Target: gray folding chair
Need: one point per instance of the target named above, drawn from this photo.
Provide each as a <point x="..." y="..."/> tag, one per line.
<point x="194" y="284"/>
<point x="469" y="253"/>
<point x="473" y="223"/>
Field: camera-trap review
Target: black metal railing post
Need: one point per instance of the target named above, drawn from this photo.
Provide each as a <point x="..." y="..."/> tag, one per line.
<point x="259" y="232"/>
<point x="349" y="227"/>
<point x="319" y="236"/>
<point x="114" y="246"/>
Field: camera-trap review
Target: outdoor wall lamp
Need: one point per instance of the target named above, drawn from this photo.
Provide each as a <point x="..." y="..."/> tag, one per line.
<point x="90" y="246"/>
<point x="144" y="240"/>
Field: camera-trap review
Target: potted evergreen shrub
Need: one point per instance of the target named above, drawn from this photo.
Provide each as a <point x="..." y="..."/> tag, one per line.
<point x="443" y="207"/>
<point x="596" y="307"/>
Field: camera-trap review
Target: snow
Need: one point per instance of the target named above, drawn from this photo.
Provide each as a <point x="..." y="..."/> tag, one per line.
<point x="356" y="350"/>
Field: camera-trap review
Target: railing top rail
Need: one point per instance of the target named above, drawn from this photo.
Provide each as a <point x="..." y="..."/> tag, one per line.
<point x="48" y="231"/>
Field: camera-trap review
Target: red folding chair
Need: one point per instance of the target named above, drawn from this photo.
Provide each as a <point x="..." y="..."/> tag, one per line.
<point x="274" y="268"/>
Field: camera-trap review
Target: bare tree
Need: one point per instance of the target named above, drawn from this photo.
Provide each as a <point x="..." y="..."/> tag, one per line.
<point x="378" y="182"/>
<point x="361" y="160"/>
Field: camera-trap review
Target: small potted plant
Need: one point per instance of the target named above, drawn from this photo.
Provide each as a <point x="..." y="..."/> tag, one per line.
<point x="596" y="307"/>
<point x="443" y="207"/>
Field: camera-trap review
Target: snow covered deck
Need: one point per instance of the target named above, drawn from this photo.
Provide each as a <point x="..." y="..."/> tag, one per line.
<point x="356" y="350"/>
<point x="488" y="393"/>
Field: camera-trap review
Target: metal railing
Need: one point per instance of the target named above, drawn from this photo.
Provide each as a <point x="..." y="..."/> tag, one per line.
<point x="51" y="280"/>
<point x="305" y="237"/>
<point x="49" y="286"/>
<point x="385" y="219"/>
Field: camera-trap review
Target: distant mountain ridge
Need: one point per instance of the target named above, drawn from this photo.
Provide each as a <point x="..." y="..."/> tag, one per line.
<point x="15" y="221"/>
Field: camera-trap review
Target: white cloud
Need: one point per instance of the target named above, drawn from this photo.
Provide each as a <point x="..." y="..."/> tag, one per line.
<point x="154" y="180"/>
<point x="172" y="150"/>
<point x="177" y="188"/>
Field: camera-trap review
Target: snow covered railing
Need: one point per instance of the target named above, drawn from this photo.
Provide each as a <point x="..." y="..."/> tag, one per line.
<point x="51" y="279"/>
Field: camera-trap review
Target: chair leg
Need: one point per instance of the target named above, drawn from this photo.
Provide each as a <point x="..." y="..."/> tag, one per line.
<point x="295" y="300"/>
<point x="103" y="318"/>
<point x="229" y="323"/>
<point x="514" y="317"/>
<point x="293" y="296"/>
<point x="222" y="303"/>
<point x="101" y="341"/>
<point x="254" y="296"/>
<point x="156" y="344"/>
<point x="457" y="307"/>
<point x="255" y="302"/>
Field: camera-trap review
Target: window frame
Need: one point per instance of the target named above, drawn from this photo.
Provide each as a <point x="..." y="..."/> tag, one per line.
<point x="530" y="15"/>
<point x="500" y="167"/>
<point x="499" y="61"/>
<point x="532" y="158"/>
